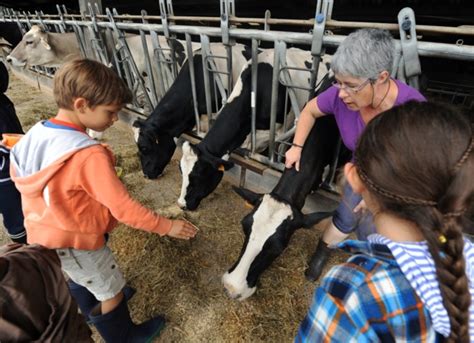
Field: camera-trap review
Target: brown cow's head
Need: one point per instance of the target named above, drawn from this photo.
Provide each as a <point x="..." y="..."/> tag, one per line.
<point x="34" y="49"/>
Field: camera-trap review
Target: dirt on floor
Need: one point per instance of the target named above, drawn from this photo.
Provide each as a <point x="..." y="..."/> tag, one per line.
<point x="182" y="279"/>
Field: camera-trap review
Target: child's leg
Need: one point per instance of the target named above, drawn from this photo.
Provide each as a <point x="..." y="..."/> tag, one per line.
<point x="87" y="301"/>
<point x="110" y="304"/>
<point x="98" y="271"/>
<point x="10" y="207"/>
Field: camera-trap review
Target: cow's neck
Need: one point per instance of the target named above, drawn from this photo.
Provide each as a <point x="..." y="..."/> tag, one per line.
<point x="176" y="115"/>
<point x="231" y="128"/>
<point x="65" y="45"/>
<point x="294" y="186"/>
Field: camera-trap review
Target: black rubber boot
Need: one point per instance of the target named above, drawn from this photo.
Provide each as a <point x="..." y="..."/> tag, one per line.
<point x="318" y="261"/>
<point x="21" y="240"/>
<point x="117" y="326"/>
<point x="87" y="301"/>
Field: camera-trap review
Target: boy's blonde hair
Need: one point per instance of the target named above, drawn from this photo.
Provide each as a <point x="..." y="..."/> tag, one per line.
<point x="85" y="78"/>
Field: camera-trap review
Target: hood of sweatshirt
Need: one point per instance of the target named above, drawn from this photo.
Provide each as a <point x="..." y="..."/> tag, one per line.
<point x="41" y="153"/>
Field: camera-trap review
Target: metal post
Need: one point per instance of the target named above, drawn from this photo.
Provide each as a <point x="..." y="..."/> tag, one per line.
<point x="207" y="83"/>
<point x="189" y="49"/>
<point x="227" y="8"/>
<point x="322" y="12"/>
<point x="83" y="5"/>
<point x="40" y="18"/>
<point x="62" y="26"/>
<point x="253" y="95"/>
<point x="406" y="20"/>
<point x="273" y="106"/>
<point x="149" y="71"/>
<point x="97" y="41"/>
<point x="131" y="63"/>
<point x="20" y="26"/>
<point x="156" y="58"/>
<point x="166" y="10"/>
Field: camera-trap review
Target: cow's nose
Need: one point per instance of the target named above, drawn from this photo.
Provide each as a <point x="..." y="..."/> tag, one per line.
<point x="231" y="294"/>
<point x="181" y="204"/>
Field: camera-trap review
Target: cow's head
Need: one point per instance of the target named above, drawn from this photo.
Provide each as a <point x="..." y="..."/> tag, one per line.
<point x="201" y="174"/>
<point x="268" y="229"/>
<point x="34" y="49"/>
<point x="155" y="149"/>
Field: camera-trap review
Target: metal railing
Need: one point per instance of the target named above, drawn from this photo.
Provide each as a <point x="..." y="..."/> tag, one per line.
<point x="163" y="67"/>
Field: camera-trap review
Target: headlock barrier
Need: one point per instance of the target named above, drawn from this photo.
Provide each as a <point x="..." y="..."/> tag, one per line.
<point x="146" y="52"/>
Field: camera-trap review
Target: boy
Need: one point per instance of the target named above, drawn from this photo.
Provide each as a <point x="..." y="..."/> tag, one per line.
<point x="72" y="196"/>
<point x="10" y="200"/>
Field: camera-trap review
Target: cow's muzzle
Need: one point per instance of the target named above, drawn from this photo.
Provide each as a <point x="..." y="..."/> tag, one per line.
<point x="13" y="61"/>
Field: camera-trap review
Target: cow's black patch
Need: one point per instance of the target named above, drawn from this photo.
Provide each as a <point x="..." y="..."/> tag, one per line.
<point x="247" y="52"/>
<point x="308" y="64"/>
<point x="179" y="52"/>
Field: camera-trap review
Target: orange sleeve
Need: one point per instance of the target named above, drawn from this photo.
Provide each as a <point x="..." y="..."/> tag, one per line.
<point x="98" y="177"/>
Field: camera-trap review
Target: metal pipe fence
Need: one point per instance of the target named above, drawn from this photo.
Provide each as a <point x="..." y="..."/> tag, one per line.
<point x="105" y="37"/>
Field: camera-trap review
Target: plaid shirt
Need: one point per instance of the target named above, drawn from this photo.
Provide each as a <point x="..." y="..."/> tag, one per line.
<point x="366" y="299"/>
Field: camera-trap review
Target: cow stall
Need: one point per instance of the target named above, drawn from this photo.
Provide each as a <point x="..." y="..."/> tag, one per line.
<point x="106" y="37"/>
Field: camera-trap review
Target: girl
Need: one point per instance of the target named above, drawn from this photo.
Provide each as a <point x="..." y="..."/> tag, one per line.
<point x="412" y="281"/>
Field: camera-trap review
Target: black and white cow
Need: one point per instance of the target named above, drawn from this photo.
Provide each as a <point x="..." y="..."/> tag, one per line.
<point x="203" y="165"/>
<point x="276" y="216"/>
<point x="174" y="114"/>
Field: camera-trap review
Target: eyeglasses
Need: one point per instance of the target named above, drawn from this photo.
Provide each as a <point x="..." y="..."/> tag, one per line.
<point x="351" y="89"/>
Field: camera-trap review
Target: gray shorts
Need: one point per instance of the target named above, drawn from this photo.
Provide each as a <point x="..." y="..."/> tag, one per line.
<point x="96" y="270"/>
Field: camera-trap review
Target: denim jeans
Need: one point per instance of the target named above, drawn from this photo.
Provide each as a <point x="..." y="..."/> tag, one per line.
<point x="10" y="208"/>
<point x="346" y="221"/>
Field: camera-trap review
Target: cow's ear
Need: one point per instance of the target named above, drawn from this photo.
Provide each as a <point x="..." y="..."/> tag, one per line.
<point x="138" y="123"/>
<point x="217" y="162"/>
<point x="44" y="42"/>
<point x="225" y="165"/>
<point x="313" y="218"/>
<point x="249" y="196"/>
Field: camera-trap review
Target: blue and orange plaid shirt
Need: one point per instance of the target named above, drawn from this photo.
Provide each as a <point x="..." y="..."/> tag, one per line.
<point x="366" y="299"/>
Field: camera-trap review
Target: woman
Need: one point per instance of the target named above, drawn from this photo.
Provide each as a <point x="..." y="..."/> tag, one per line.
<point x="413" y="281"/>
<point x="363" y="89"/>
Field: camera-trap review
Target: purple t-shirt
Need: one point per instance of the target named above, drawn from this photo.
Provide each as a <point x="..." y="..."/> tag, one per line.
<point x="350" y="122"/>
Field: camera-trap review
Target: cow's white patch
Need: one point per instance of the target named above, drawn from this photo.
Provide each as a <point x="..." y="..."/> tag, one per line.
<point x="238" y="86"/>
<point x="262" y="138"/>
<point x="136" y="133"/>
<point x="269" y="215"/>
<point x="188" y="160"/>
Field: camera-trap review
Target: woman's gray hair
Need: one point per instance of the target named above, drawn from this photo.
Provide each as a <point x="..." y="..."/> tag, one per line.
<point x="365" y="53"/>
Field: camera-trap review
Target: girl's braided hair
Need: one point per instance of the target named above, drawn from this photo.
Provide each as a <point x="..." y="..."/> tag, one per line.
<point x="417" y="162"/>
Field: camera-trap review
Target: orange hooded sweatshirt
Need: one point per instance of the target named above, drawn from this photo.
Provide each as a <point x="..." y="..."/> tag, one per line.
<point x="71" y="195"/>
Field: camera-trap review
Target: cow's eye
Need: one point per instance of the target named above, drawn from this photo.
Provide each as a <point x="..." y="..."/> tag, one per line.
<point x="29" y="42"/>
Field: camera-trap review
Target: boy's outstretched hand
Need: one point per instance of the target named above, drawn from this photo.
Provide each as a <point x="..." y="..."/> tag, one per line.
<point x="182" y="229"/>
